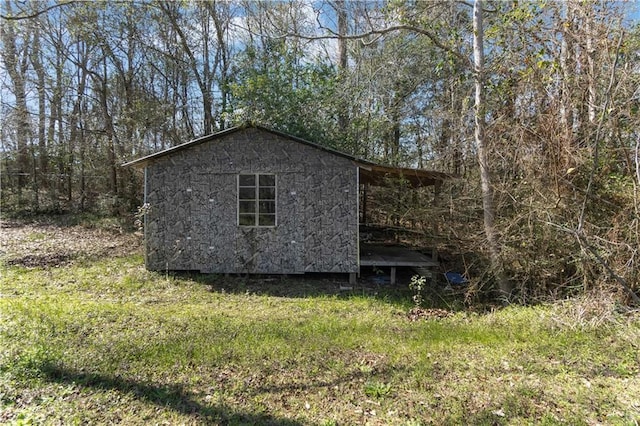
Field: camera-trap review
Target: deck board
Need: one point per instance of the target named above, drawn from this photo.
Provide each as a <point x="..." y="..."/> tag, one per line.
<point x="381" y="255"/>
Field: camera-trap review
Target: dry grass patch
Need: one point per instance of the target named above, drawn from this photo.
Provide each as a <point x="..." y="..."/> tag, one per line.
<point x="48" y="244"/>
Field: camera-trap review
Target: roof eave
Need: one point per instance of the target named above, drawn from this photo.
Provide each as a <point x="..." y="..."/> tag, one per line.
<point x="142" y="161"/>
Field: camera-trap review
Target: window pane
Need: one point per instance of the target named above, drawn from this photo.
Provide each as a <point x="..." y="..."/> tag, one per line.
<point x="257" y="200"/>
<point x="247" y="220"/>
<point x="247" y="207"/>
<point x="247" y="180"/>
<point x="267" y="180"/>
<point x="267" y="220"/>
<point x="247" y="193"/>
<point x="268" y="207"/>
<point x="267" y="193"/>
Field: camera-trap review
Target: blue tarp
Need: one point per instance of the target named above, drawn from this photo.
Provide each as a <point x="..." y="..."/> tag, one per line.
<point x="455" y="278"/>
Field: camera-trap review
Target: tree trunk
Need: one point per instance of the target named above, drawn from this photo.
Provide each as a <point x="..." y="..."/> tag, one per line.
<point x="223" y="53"/>
<point x="341" y="10"/>
<point x="488" y="206"/>
<point x="568" y="68"/>
<point x="203" y="78"/>
<point x="16" y="66"/>
<point x="40" y="165"/>
<point x="76" y="130"/>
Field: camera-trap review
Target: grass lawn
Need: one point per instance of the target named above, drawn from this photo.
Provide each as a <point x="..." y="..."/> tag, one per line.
<point x="91" y="337"/>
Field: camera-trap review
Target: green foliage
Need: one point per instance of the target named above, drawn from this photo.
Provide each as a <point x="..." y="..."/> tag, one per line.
<point x="277" y="88"/>
<point x="377" y="389"/>
<point x="417" y="285"/>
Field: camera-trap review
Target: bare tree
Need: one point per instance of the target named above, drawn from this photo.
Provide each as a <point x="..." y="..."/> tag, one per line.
<point x="483" y="160"/>
<point x="15" y="55"/>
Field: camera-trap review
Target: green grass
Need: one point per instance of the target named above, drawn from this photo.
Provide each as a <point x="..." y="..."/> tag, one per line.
<point x="107" y="342"/>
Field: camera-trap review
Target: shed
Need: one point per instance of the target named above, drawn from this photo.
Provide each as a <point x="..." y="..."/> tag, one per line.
<point x="250" y="199"/>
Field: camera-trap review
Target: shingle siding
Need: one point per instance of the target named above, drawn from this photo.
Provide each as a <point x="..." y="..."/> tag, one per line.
<point x="192" y="221"/>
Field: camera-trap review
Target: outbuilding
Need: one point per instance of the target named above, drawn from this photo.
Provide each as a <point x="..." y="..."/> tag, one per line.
<point x="250" y="199"/>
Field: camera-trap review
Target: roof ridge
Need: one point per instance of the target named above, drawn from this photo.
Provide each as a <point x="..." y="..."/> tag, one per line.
<point x="371" y="166"/>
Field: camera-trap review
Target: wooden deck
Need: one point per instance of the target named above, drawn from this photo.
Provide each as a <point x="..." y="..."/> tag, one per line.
<point x="393" y="256"/>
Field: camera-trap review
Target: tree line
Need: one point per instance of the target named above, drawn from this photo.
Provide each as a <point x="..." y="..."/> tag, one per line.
<point x="86" y="86"/>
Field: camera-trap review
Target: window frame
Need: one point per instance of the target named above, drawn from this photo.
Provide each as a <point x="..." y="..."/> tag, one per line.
<point x="257" y="200"/>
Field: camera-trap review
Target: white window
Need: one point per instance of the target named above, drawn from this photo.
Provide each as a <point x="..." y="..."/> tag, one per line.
<point x="257" y="199"/>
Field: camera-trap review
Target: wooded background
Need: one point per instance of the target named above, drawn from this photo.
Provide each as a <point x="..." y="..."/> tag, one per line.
<point x="86" y="86"/>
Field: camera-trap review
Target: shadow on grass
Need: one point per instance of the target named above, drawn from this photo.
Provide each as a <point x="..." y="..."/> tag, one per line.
<point x="173" y="397"/>
<point x="369" y="285"/>
<point x="300" y="286"/>
<point x="355" y="380"/>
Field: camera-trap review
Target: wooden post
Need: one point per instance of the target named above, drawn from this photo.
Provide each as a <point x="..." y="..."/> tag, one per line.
<point x="364" y="203"/>
<point x="352" y="282"/>
<point x="436" y="230"/>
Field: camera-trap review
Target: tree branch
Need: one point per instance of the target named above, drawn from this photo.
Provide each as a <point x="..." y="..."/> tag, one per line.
<point x="38" y="13"/>
<point x="596" y="142"/>
<point x="623" y="283"/>
<point x="379" y="33"/>
<point x="584" y="244"/>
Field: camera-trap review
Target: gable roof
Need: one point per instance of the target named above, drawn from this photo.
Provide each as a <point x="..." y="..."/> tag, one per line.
<point x="370" y="172"/>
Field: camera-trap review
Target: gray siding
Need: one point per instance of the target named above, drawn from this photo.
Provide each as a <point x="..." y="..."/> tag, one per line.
<point x="192" y="221"/>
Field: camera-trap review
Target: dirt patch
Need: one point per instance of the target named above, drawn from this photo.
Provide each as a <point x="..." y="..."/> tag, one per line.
<point x="36" y="245"/>
<point x="42" y="261"/>
<point x="417" y="314"/>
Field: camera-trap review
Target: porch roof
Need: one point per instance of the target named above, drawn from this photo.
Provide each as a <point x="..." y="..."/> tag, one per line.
<point x="379" y="175"/>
